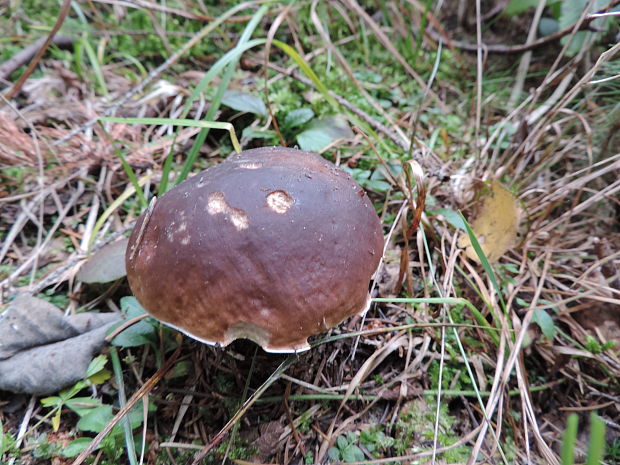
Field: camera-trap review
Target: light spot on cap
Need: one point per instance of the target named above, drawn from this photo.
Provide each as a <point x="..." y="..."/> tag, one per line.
<point x="216" y="203"/>
<point x="251" y="165"/>
<point x="239" y="219"/>
<point x="185" y="240"/>
<point x="279" y="201"/>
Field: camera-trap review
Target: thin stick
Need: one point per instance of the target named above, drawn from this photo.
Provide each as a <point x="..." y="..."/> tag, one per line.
<point x="20" y="82"/>
<point x="501" y="48"/>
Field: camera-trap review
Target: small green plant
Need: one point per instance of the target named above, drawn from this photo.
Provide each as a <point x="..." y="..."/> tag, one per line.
<point x="416" y="426"/>
<point x="239" y="450"/>
<point x="94" y="416"/>
<point x="376" y="441"/>
<point x="596" y="444"/>
<point x="7" y="445"/>
<point x="613" y="452"/>
<point x="595" y="347"/>
<point x="95" y="374"/>
<point x="346" y="449"/>
<point x="43" y="448"/>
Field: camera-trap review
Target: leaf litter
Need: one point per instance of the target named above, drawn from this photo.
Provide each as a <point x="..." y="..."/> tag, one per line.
<point x="556" y="272"/>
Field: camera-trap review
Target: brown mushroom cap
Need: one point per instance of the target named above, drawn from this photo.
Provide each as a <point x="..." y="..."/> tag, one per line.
<point x="272" y="245"/>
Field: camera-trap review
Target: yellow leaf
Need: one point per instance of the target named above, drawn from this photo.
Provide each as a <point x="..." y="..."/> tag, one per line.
<point x="56" y="420"/>
<point x="100" y="377"/>
<point x="496" y="224"/>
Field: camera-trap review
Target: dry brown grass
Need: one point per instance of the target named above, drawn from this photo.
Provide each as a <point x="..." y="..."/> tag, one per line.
<point x="567" y="261"/>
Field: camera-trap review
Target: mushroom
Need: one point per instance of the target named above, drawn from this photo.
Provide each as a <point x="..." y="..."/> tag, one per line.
<point x="273" y="245"/>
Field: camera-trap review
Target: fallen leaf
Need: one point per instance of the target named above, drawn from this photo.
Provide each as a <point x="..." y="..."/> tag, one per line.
<point x="322" y="132"/>
<point x="496" y="224"/>
<point x="242" y="101"/>
<point x="42" y="350"/>
<point x="107" y="264"/>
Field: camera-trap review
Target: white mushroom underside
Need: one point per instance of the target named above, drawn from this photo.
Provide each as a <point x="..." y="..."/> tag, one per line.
<point x="242" y="332"/>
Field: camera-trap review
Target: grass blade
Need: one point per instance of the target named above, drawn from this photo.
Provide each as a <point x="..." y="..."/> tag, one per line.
<point x="122" y="399"/>
<point x="292" y="53"/>
<point x="92" y="57"/>
<point x="485" y="263"/>
<point x="181" y="122"/>
<point x="596" y="446"/>
<point x="567" y="453"/>
<point x="231" y="64"/>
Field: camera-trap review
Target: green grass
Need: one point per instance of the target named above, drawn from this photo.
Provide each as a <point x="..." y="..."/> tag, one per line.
<point x="133" y="48"/>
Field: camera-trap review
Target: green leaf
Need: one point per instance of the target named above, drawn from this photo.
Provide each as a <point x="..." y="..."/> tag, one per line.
<point x="56" y="420"/>
<point x="95" y="419"/>
<point x="342" y="442"/>
<point x="516" y="7"/>
<point x="451" y="216"/>
<point x="254" y="133"/>
<point x="75" y="447"/>
<point x="322" y="132"/>
<point x="298" y="117"/>
<point x="353" y="454"/>
<point x="377" y="186"/>
<point x="570" y="12"/>
<point x="242" y="101"/>
<point x="96" y="365"/>
<point x="131" y="307"/>
<point x="100" y="377"/>
<point x="544" y="320"/>
<point x="51" y="401"/>
<point x="137" y="334"/>
<point x="333" y="453"/>
<point x="83" y="405"/>
<point x="548" y="26"/>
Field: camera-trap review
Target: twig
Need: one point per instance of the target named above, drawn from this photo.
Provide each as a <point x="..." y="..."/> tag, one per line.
<point x="64" y="10"/>
<point x="25" y="55"/>
<point x="502" y="48"/>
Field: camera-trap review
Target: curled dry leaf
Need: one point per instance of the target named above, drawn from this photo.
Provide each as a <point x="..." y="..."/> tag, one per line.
<point x="42" y="350"/>
<point x="496" y="223"/>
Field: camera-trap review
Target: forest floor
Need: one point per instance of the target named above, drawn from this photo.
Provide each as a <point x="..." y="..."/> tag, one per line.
<point x="490" y="340"/>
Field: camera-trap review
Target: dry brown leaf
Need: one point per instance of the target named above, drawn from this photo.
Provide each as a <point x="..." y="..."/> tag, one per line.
<point x="496" y="224"/>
